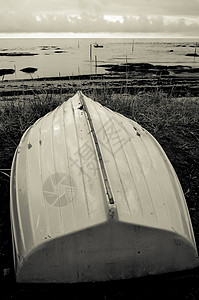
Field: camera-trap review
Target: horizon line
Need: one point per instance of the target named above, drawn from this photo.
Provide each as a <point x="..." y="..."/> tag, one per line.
<point x="94" y="35"/>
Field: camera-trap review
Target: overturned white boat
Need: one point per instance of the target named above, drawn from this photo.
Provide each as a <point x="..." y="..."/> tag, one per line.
<point x="95" y="198"/>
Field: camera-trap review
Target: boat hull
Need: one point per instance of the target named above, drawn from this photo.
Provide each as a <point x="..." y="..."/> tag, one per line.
<point x="94" y="198"/>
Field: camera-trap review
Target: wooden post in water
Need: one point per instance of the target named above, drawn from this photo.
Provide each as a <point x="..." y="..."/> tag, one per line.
<point x="126" y="74"/>
<point x="96" y="61"/>
<point x="91" y="52"/>
<point x="196" y="48"/>
<point x="95" y="64"/>
<point x="133" y="45"/>
<point x="15" y="71"/>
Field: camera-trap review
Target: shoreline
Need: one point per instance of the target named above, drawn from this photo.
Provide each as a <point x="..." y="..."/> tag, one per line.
<point x="179" y="85"/>
<point x="124" y="78"/>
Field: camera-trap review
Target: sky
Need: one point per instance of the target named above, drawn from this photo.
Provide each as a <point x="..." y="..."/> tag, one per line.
<point x="126" y="17"/>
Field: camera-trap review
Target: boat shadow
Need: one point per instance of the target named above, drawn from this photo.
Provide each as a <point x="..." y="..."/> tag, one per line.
<point x="178" y="285"/>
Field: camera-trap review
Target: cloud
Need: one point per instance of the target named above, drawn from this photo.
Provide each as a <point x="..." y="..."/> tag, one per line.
<point x="86" y="15"/>
<point x="95" y="23"/>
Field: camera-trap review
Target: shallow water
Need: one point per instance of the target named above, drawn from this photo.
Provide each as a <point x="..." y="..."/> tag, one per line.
<point x="71" y="56"/>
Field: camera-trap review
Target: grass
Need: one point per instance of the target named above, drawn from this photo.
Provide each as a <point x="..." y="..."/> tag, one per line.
<point x="173" y="122"/>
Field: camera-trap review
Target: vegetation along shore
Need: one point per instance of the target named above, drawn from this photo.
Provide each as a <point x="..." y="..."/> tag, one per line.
<point x="178" y="80"/>
<point x="163" y="100"/>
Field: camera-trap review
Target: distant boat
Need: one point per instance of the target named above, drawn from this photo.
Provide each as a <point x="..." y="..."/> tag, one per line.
<point x="95" y="198"/>
<point x="96" y="45"/>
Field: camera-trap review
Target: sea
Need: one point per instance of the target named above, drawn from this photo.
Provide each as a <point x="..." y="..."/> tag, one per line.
<point x="54" y="57"/>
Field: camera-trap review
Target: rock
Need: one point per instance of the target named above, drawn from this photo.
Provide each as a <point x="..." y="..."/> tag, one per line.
<point x="130" y="67"/>
<point x="29" y="70"/>
<point x="17" y="54"/>
<point x="192" y="54"/>
<point x="181" y="45"/>
<point x="4" y="72"/>
<point x="59" y="51"/>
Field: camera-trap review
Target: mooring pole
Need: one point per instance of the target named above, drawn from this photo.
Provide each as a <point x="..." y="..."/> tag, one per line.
<point x="133" y="45"/>
<point x="196" y="48"/>
<point x="96" y="61"/>
<point x="90" y="51"/>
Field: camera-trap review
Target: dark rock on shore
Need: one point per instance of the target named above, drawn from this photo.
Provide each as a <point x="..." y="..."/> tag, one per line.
<point x="181" y="45"/>
<point x="192" y="54"/>
<point x="4" y="72"/>
<point x="130" y="67"/>
<point x="29" y="70"/>
<point x="146" y="68"/>
<point x="59" y="51"/>
<point x="17" y="54"/>
<point x="48" y="47"/>
<point x="107" y="65"/>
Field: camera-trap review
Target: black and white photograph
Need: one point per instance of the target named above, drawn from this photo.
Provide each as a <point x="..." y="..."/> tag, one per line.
<point x="99" y="149"/>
